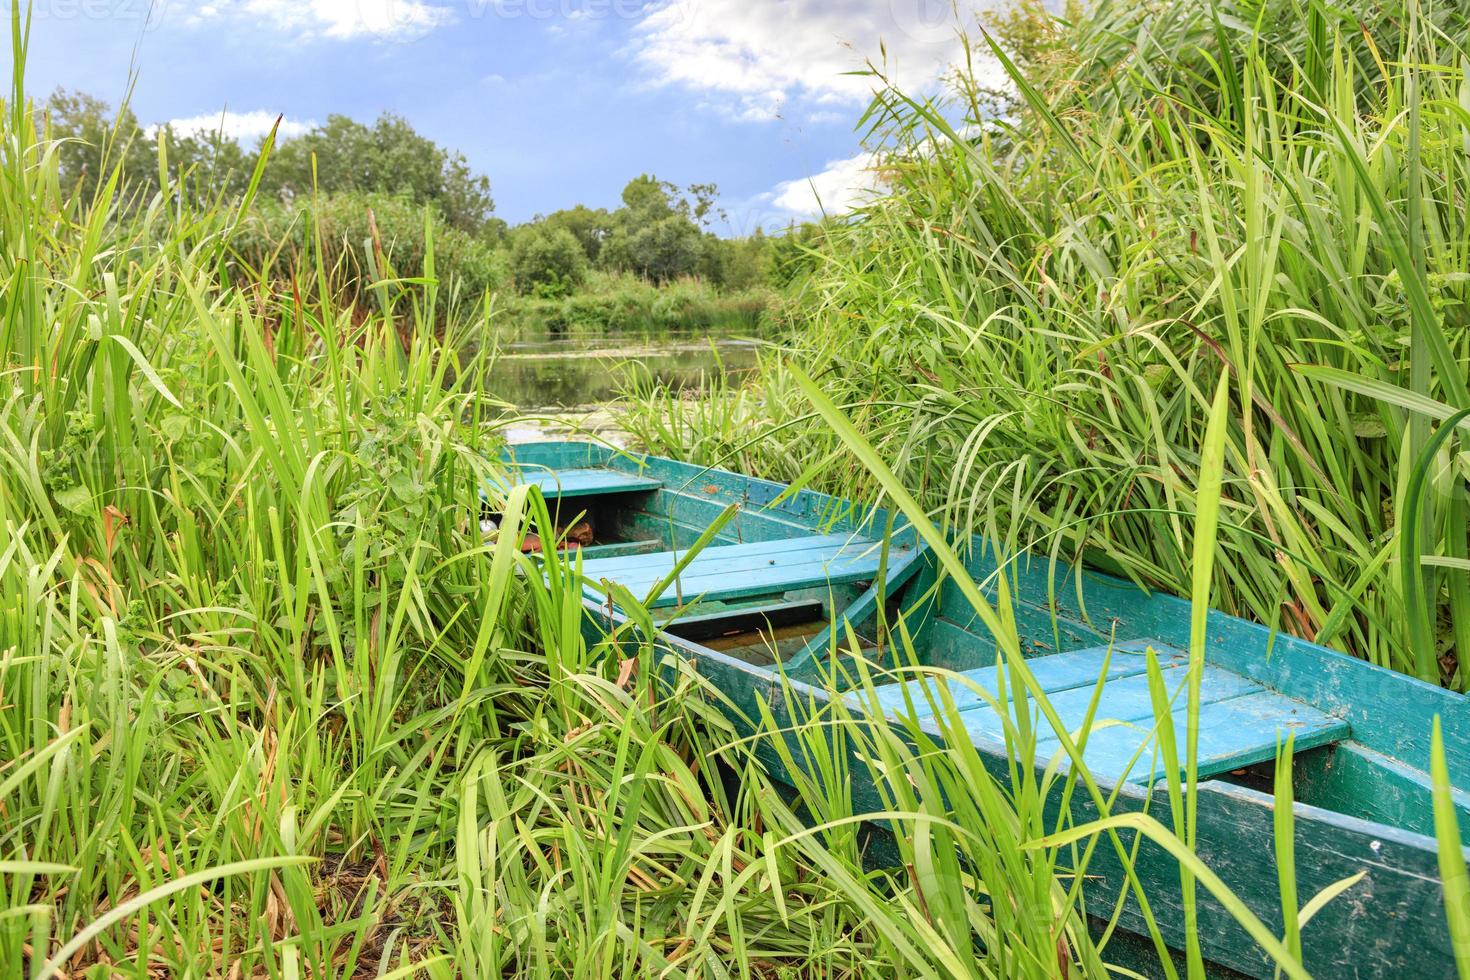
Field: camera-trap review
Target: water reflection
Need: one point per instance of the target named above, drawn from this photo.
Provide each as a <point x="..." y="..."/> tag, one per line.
<point x="584" y="372"/>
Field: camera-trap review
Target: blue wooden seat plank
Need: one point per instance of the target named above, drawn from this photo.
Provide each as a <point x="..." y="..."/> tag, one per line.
<point x="581" y="482"/>
<point x="1054" y="672"/>
<point x="1123" y="699"/>
<point x="756" y="576"/>
<point x="712" y="565"/>
<point x="778" y="549"/>
<point x="728" y="582"/>
<point x="1240" y="721"/>
<point x="759" y="568"/>
<point x="1233" y="733"/>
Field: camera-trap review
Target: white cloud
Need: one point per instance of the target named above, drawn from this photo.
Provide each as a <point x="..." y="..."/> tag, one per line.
<point x="243" y="127"/>
<point x="763" y="55"/>
<point x="843" y="185"/>
<point x="388" y="20"/>
<point x="840" y="187"/>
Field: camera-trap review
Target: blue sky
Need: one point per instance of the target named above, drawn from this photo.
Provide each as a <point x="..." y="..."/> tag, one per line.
<point x="559" y="102"/>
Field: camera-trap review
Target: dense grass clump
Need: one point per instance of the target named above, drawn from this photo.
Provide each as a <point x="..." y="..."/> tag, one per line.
<point x="362" y="238"/>
<point x="273" y="704"/>
<point x="1031" y="325"/>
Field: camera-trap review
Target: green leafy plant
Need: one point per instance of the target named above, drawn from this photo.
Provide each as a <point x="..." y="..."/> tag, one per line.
<point x="1029" y="326"/>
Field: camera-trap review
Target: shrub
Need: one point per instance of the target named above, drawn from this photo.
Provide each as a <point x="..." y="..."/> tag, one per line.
<point x="667" y="249"/>
<point x="625" y="303"/>
<point x="279" y="236"/>
<point x="547" y="261"/>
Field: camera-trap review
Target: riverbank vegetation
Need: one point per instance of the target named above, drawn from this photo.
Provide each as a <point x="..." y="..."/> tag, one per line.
<point x="612" y="304"/>
<point x="650" y="267"/>
<point x="274" y="704"/>
<point x="1030" y="325"/>
<point x="369" y="198"/>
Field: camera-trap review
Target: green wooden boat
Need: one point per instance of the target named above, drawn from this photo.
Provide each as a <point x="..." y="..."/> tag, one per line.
<point x="769" y="586"/>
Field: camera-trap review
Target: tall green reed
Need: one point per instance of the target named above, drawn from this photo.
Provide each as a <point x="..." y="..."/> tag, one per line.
<point x="275" y="704"/>
<point x="962" y="830"/>
<point x="1030" y="325"/>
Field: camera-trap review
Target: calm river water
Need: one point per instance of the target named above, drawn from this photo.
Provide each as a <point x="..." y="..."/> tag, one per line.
<point x="561" y="384"/>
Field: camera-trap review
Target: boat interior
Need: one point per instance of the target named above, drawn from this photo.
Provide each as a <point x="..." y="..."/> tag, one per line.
<point x="789" y="580"/>
<point x="764" y="589"/>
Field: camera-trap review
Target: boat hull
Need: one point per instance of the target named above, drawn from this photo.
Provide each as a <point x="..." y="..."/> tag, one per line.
<point x="1390" y="922"/>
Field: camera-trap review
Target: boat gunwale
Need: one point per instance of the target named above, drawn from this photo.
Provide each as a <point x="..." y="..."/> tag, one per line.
<point x="1391" y="720"/>
<point x="1401" y="909"/>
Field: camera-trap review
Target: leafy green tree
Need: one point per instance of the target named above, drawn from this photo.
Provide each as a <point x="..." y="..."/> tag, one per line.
<point x="494" y="231"/>
<point x="615" y="255"/>
<point x="92" y="141"/>
<point x="700" y="204"/>
<point x="659" y="232"/>
<point x="668" y="249"/>
<point x="389" y="157"/>
<point x="739" y="263"/>
<point x="647" y="199"/>
<point x="590" y="227"/>
<point x="547" y="261"/>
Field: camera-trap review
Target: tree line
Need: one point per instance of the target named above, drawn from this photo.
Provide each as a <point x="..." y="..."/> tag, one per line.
<point x="377" y="181"/>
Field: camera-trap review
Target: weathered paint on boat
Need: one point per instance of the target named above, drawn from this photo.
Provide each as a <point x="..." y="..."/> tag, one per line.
<point x="1363" y="794"/>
